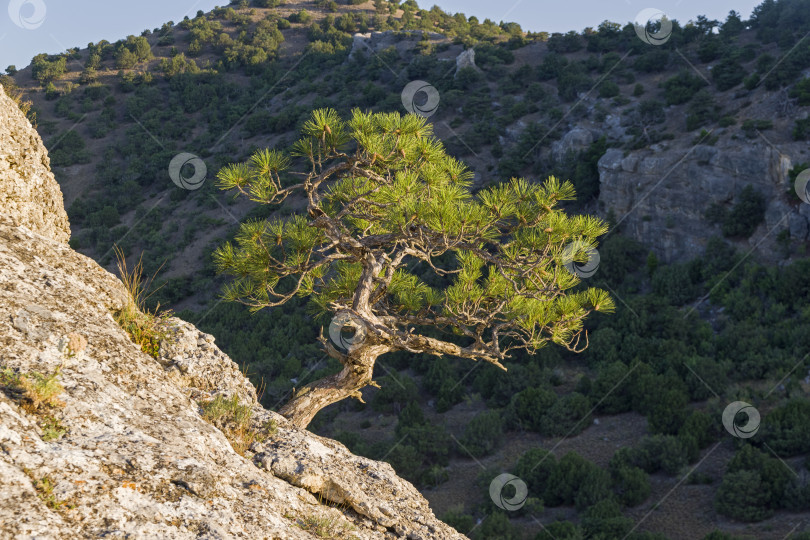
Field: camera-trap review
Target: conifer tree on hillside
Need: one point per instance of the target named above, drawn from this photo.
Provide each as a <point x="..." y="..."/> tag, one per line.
<point x="381" y="195"/>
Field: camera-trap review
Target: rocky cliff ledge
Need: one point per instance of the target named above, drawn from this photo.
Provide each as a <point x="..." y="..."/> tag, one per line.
<point x="124" y="450"/>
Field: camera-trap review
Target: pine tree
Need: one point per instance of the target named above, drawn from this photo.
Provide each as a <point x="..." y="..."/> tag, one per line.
<point x="382" y="193"/>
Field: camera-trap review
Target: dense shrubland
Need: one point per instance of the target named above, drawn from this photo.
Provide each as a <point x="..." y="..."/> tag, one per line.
<point x="649" y="359"/>
<point x="169" y="90"/>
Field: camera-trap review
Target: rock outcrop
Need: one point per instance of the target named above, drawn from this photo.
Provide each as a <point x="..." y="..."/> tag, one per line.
<point x="466" y="60"/>
<point x="127" y="452"/>
<point x="660" y="194"/>
<point x="28" y="191"/>
<point x="575" y="141"/>
<point x="376" y="42"/>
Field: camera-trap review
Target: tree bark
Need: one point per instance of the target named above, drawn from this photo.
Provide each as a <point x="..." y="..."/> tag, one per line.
<point x="358" y="368"/>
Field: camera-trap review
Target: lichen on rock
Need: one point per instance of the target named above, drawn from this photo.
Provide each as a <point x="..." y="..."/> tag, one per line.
<point x="136" y="458"/>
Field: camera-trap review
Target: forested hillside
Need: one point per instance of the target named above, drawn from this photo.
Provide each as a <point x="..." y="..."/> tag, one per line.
<point x="625" y="440"/>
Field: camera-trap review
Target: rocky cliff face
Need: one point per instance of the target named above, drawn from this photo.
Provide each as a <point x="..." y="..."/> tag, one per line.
<point x="124" y="450"/>
<point x="660" y="194"/>
<point x="28" y="192"/>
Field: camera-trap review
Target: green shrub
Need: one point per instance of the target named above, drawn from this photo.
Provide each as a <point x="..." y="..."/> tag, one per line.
<point x="654" y="453"/>
<point x="669" y="411"/>
<point x="535" y="467"/>
<point x="552" y="66"/>
<point x="560" y="530"/>
<point x="786" y="429"/>
<point x="801" y="90"/>
<point x="565" y="43"/>
<point x="459" y="520"/>
<point x="682" y="87"/>
<point x="569" y="415"/>
<point x="609" y="389"/>
<point x="70" y="149"/>
<point x="751" y="126"/>
<point x="406" y="461"/>
<point x="772" y="476"/>
<point x="701" y="426"/>
<point x="395" y="393"/>
<point x="746" y="215"/>
<point x="653" y="60"/>
<point x="727" y="74"/>
<point x="630" y="484"/>
<point x="742" y="496"/>
<point x="529" y="406"/>
<point x="710" y="49"/>
<point x="497" y="525"/>
<point x="45" y="68"/>
<point x="608" y="89"/>
<point x="572" y="81"/>
<point x="675" y="283"/>
<point x="568" y="478"/>
<point x="302" y="17"/>
<point x="431" y="441"/>
<point x="702" y="110"/>
<point x="484" y="433"/>
<point x="605" y="520"/>
<point x="797" y="493"/>
<point x="801" y="131"/>
<point x="595" y="487"/>
<point x="727" y="121"/>
<point x="583" y="170"/>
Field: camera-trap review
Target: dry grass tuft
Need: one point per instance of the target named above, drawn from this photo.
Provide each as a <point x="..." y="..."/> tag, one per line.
<point x="234" y="420"/>
<point x="326" y="527"/>
<point x="145" y="328"/>
<point x="44" y="487"/>
<point x="34" y="389"/>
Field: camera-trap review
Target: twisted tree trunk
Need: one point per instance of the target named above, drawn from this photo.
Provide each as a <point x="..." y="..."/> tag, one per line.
<point x="358" y="368"/>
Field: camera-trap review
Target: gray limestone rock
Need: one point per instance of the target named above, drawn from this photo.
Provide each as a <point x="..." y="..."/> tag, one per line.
<point x="29" y="194"/>
<point x="136" y="458"/>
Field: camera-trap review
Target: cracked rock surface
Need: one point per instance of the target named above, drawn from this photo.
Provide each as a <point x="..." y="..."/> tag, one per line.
<point x="29" y="193"/>
<point x="134" y="458"/>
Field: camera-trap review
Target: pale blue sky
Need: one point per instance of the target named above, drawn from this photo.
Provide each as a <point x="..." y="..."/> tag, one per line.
<point x="75" y="23"/>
